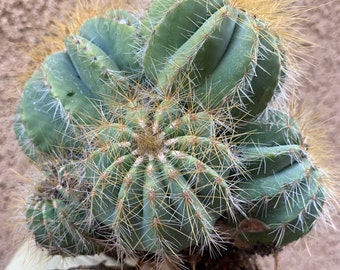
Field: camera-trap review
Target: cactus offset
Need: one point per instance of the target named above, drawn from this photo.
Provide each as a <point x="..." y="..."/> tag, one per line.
<point x="280" y="187"/>
<point x="150" y="132"/>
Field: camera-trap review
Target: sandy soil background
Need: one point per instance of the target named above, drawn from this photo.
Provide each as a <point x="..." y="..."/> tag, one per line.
<point x="19" y="19"/>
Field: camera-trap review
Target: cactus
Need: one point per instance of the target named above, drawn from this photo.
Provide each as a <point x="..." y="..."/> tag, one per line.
<point x="284" y="210"/>
<point x="244" y="67"/>
<point x="150" y="133"/>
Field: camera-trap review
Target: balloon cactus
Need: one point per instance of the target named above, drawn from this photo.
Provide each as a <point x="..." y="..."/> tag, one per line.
<point x="151" y="132"/>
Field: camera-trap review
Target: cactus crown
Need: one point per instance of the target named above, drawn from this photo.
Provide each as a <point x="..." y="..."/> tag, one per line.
<point x="150" y="132"/>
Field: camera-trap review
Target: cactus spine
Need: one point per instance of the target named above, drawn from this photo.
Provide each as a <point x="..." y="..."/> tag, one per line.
<point x="150" y="132"/>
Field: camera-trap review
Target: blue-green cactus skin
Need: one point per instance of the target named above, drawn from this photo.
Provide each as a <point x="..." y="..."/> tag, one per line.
<point x="280" y="185"/>
<point x="151" y="132"/>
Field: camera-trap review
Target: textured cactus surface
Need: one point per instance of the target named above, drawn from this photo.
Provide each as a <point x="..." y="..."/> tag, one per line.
<point x="150" y="132"/>
<point x="282" y="191"/>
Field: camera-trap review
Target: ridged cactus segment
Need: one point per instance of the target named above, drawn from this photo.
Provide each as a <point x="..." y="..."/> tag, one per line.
<point x="59" y="108"/>
<point x="116" y="34"/>
<point x="203" y="179"/>
<point x="228" y="60"/>
<point x="270" y="145"/>
<point x="279" y="185"/>
<point x="287" y="222"/>
<point x="206" y="150"/>
<point x="100" y="74"/>
<point x="152" y="185"/>
<point x="198" y="124"/>
<point x="208" y="42"/>
<point x="160" y="229"/>
<point x="61" y="227"/>
<point x="276" y="128"/>
<point x="269" y="160"/>
<point x="68" y="90"/>
<point x="258" y="188"/>
<point x="235" y="64"/>
<point x="160" y="10"/>
<point x="193" y="216"/>
<point x="286" y="233"/>
<point x="168" y="31"/>
<point x="71" y="85"/>
<point x="39" y="104"/>
<point x="253" y="96"/>
<point x="171" y="31"/>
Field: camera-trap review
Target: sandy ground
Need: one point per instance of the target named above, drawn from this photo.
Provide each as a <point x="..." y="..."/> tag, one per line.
<point x="19" y="19"/>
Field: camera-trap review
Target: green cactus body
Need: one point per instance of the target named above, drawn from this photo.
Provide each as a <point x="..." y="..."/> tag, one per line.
<point x="115" y="34"/>
<point x="149" y="133"/>
<point x="280" y="186"/>
<point x="61" y="229"/>
<point x="244" y="64"/>
<point x="151" y="184"/>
